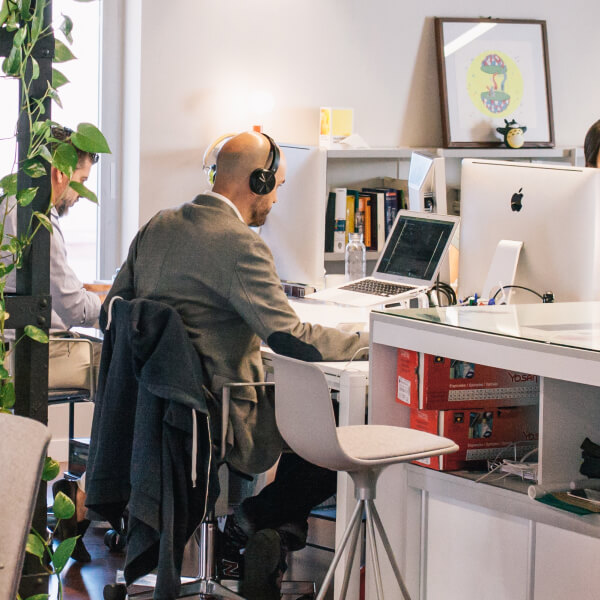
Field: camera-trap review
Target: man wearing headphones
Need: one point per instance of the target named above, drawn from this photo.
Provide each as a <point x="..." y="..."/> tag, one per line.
<point x="204" y="260"/>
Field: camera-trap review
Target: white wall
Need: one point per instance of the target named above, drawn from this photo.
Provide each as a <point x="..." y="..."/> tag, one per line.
<point x="202" y="61"/>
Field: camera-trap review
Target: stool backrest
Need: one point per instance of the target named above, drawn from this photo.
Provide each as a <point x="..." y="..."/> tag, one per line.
<point x="304" y="413"/>
<point x="23" y="445"/>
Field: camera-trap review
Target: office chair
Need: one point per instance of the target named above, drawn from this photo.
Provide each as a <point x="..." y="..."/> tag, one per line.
<point x="23" y="445"/>
<point x="363" y="451"/>
<point x="72" y="396"/>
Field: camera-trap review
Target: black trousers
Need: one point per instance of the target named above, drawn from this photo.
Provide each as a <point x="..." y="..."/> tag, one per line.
<point x="298" y="487"/>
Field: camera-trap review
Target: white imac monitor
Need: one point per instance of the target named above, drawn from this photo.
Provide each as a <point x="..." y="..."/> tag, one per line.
<point x="295" y="227"/>
<point x="554" y="210"/>
<point x="427" y="183"/>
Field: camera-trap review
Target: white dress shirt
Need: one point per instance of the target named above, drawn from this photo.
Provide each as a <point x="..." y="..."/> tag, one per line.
<point x="72" y="304"/>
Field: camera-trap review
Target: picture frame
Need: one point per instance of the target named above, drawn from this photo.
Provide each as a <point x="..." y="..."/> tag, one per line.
<point x="491" y="72"/>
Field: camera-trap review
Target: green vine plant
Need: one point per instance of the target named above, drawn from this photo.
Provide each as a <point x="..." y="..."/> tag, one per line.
<point x="23" y="19"/>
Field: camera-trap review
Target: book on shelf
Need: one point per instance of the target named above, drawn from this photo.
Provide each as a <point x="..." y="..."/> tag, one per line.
<point x="364" y="204"/>
<point x="390" y="207"/>
<point x="329" y="222"/>
<point x="351" y="207"/>
<point x="359" y="215"/>
<point x="372" y="236"/>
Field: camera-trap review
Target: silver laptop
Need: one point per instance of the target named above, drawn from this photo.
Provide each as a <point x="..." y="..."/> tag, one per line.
<point x="408" y="265"/>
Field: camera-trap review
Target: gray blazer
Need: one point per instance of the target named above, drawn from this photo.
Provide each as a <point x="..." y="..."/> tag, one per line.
<point x="220" y="277"/>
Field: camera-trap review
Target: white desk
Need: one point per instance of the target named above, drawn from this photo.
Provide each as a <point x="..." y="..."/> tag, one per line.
<point x="458" y="539"/>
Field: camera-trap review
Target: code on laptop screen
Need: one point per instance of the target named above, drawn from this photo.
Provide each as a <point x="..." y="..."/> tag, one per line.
<point x="416" y="247"/>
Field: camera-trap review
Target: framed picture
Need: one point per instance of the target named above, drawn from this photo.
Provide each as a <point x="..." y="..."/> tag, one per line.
<point x="493" y="71"/>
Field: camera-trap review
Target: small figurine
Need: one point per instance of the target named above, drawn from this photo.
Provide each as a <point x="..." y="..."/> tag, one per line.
<point x="514" y="134"/>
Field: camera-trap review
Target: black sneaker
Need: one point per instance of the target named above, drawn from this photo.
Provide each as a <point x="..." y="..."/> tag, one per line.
<point x="230" y="544"/>
<point x="68" y="528"/>
<point x="264" y="566"/>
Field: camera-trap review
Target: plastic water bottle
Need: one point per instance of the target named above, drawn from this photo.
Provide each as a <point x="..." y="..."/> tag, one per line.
<point x="356" y="259"/>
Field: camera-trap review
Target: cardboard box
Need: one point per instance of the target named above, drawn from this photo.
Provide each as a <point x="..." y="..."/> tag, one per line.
<point x="482" y="434"/>
<point x="432" y="382"/>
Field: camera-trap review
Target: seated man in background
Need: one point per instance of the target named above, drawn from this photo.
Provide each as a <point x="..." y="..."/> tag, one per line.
<point x="204" y="260"/>
<point x="72" y="305"/>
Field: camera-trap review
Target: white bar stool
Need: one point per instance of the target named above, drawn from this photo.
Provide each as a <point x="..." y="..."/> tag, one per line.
<point x="306" y="420"/>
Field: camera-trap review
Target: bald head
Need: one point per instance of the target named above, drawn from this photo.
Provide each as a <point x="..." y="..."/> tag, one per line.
<point x="236" y="161"/>
<point x="239" y="157"/>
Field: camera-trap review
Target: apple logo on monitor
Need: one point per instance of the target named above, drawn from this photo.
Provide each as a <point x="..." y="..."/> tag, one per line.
<point x="515" y="201"/>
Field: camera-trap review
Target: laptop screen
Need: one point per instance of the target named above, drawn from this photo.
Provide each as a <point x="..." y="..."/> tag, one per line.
<point x="416" y="246"/>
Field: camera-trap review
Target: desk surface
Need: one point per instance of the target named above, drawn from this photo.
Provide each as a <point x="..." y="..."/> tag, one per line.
<point x="574" y="325"/>
<point x="349" y="318"/>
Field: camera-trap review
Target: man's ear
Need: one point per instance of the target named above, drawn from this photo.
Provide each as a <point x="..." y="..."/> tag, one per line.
<point x="56" y="176"/>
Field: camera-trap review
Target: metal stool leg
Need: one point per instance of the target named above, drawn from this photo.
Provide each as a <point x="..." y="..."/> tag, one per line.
<point x="388" y="549"/>
<point x="354" y="522"/>
<point x="373" y="547"/>
<point x="350" y="560"/>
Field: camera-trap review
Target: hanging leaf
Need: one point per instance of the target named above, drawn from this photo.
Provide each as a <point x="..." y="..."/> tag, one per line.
<point x="12" y="23"/>
<point x="58" y="79"/>
<point x="12" y="62"/>
<point x="83" y="191"/>
<point x="45" y="221"/>
<point x="33" y="332"/>
<point x="19" y="37"/>
<point x="63" y="553"/>
<point x="34" y="168"/>
<point x="37" y="22"/>
<point x="7" y="395"/>
<point x="45" y="153"/>
<point x="63" y="507"/>
<point x="26" y="196"/>
<point x="35" y="68"/>
<point x="41" y="128"/>
<point x="26" y="10"/>
<point x="65" y="159"/>
<point x="51" y="469"/>
<point x="39" y="104"/>
<point x="35" y="546"/>
<point x="38" y="597"/>
<point x="66" y="27"/>
<point x="3" y="12"/>
<point x="6" y="269"/>
<point x="9" y="184"/>
<point x="90" y="139"/>
<point x="53" y="94"/>
<point x="62" y="53"/>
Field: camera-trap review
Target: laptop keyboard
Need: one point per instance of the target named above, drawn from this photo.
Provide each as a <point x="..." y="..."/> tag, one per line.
<point x="377" y="287"/>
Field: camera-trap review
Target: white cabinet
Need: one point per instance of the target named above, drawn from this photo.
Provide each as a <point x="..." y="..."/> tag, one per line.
<point x="461" y="539"/>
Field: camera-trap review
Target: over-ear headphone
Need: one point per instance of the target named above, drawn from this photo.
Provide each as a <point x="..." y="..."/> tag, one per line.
<point x="262" y="181"/>
<point x="209" y="161"/>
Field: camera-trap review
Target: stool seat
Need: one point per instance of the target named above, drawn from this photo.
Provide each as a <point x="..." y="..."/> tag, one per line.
<point x="370" y="445"/>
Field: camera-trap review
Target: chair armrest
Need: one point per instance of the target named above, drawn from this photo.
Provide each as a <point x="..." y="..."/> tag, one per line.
<point x="226" y="398"/>
<point x="81" y="340"/>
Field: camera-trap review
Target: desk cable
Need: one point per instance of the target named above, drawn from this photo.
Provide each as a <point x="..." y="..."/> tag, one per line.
<point x="345" y="367"/>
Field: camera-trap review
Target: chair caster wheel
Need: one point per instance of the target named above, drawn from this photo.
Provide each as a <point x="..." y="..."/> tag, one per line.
<point x="114" y="540"/>
<point x="115" y="591"/>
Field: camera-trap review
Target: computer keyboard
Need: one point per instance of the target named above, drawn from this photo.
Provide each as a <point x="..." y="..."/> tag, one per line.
<point x="377" y="288"/>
